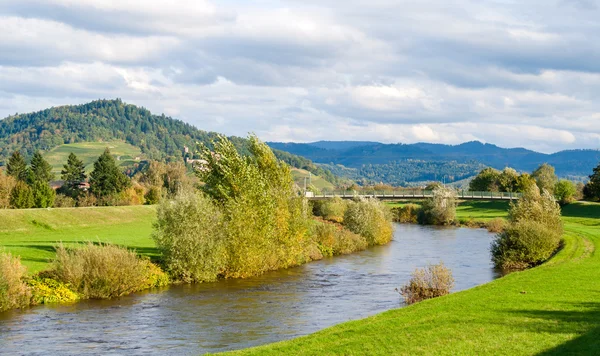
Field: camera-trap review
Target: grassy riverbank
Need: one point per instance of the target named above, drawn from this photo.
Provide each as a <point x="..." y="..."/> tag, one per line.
<point x="551" y="309"/>
<point x="33" y="233"/>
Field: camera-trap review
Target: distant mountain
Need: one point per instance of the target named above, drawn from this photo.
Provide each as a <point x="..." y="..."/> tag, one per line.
<point x="397" y="163"/>
<point x="157" y="136"/>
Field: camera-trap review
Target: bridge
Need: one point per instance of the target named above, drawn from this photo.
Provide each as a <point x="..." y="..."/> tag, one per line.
<point x="416" y="194"/>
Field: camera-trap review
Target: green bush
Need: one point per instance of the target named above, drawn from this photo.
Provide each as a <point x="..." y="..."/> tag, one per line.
<point x="47" y="290"/>
<point x="21" y="196"/>
<point x="524" y="244"/>
<point x="407" y="214"/>
<point x="533" y="233"/>
<point x="154" y="277"/>
<point x="153" y="195"/>
<point x="43" y="194"/>
<point x="430" y="282"/>
<point x="496" y="225"/>
<point x="334" y="240"/>
<point x="330" y="209"/>
<point x="190" y="234"/>
<point x="371" y="219"/>
<point x="100" y="271"/>
<point x="565" y="191"/>
<point x="440" y="209"/>
<point x="14" y="293"/>
<point x="63" y="201"/>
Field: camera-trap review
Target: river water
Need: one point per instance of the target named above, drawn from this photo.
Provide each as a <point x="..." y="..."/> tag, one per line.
<point x="235" y="314"/>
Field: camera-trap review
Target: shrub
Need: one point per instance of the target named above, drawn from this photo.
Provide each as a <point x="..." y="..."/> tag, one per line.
<point x="63" y="201"/>
<point x="100" y="271"/>
<point x="533" y="234"/>
<point x="86" y="200"/>
<point x="430" y="282"/>
<point x="407" y="214"/>
<point x="153" y="195"/>
<point x="334" y="240"/>
<point x="21" y="196"/>
<point x="189" y="232"/>
<point x="524" y="244"/>
<point x="14" y="293"/>
<point x="440" y="209"/>
<point x="331" y="209"/>
<point x="133" y="195"/>
<point x="496" y="225"/>
<point x="43" y="194"/>
<point x="565" y="191"/>
<point x="47" y="290"/>
<point x="371" y="219"/>
<point x="154" y="277"/>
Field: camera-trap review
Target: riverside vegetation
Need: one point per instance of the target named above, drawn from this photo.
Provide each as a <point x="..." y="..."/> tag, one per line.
<point x="246" y="219"/>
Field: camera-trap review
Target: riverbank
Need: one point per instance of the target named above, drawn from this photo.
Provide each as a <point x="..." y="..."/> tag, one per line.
<point x="550" y="309"/>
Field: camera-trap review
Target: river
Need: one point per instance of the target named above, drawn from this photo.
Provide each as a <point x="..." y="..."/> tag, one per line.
<point x="235" y="314"/>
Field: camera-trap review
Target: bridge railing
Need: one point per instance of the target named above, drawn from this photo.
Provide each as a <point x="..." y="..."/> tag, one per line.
<point x="416" y="193"/>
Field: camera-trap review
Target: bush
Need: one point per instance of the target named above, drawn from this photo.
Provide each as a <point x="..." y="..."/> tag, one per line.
<point x="14" y="293"/>
<point x="533" y="233"/>
<point x="21" y="197"/>
<point x="524" y="244"/>
<point x="47" y="291"/>
<point x="189" y="232"/>
<point x="371" y="219"/>
<point x="330" y="209"/>
<point x="63" y="201"/>
<point x="334" y="240"/>
<point x="7" y="184"/>
<point x="153" y="195"/>
<point x="407" y="214"/>
<point x="86" y="200"/>
<point x="440" y="209"/>
<point x="496" y="225"/>
<point x="154" y="277"/>
<point x="43" y="194"/>
<point x="565" y="191"/>
<point x="430" y="282"/>
<point x="100" y="271"/>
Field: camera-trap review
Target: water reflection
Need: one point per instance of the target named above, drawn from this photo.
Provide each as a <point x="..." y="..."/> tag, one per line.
<point x="235" y="314"/>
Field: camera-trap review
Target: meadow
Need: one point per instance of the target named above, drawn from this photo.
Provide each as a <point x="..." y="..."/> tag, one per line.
<point x="548" y="310"/>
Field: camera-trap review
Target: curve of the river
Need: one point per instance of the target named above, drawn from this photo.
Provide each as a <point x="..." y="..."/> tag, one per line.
<point x="235" y="314"/>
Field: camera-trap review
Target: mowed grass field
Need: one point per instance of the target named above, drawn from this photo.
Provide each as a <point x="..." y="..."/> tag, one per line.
<point x="553" y="309"/>
<point x="33" y="233"/>
<point x="317" y="181"/>
<point x="476" y="210"/>
<point x="89" y="152"/>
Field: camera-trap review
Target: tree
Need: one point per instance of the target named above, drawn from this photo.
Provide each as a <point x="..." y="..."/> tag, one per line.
<point x="485" y="181"/>
<point x="525" y="182"/>
<point x="73" y="174"/>
<point x="40" y="170"/>
<point x="508" y="180"/>
<point x="106" y="179"/>
<point x="545" y="177"/>
<point x="565" y="191"/>
<point x="43" y="195"/>
<point x="440" y="209"/>
<point x="17" y="167"/>
<point x="591" y="190"/>
<point x="7" y="184"/>
<point x="21" y="197"/>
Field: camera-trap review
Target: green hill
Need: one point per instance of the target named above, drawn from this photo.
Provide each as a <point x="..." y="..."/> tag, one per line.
<point x="300" y="175"/>
<point x="156" y="137"/>
<point x="88" y="152"/>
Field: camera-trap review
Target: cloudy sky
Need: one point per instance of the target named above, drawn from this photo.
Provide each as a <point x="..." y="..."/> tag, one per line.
<point x="513" y="73"/>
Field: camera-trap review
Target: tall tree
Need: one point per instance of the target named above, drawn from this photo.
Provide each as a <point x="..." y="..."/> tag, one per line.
<point x="73" y="173"/>
<point x="592" y="188"/>
<point x="545" y="177"/>
<point x="40" y="170"/>
<point x="106" y="179"/>
<point x="17" y="167"/>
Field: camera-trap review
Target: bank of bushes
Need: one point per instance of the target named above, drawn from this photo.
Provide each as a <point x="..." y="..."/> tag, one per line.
<point x="533" y="233"/>
<point x="82" y="272"/>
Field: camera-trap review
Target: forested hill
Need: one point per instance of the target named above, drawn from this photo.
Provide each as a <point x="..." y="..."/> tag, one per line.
<point x="394" y="163"/>
<point x="159" y="137"/>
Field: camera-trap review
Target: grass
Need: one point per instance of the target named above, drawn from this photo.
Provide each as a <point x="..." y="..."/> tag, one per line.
<point x="34" y="233"/>
<point x="549" y="310"/>
<point x="88" y="152"/>
<point x="475" y="210"/>
<point x="320" y="183"/>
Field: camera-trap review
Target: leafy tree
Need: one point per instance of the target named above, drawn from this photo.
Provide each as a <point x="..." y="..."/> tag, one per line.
<point x="7" y="184"/>
<point x="73" y="174"/>
<point x="17" y="167"/>
<point x="508" y="180"/>
<point x="565" y="191"/>
<point x="440" y="209"/>
<point x="545" y="177"/>
<point x="106" y="179"/>
<point x="485" y="181"/>
<point x="21" y="197"/>
<point x="525" y="182"/>
<point x="43" y="195"/>
<point x="591" y="190"/>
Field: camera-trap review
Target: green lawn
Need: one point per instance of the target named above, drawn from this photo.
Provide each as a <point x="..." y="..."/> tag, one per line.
<point x="89" y="152"/>
<point x="33" y="233"/>
<point x="549" y="310"/>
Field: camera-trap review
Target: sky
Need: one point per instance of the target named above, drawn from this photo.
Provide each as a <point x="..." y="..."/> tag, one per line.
<point x="512" y="73"/>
